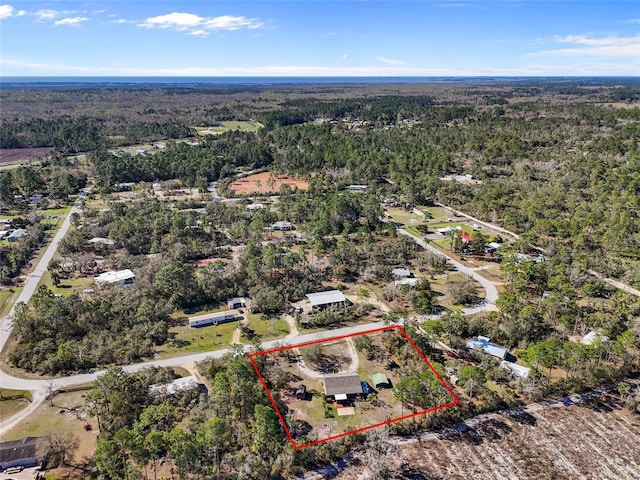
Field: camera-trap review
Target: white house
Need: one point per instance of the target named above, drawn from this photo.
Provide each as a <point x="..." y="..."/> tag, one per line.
<point x="178" y="385"/>
<point x="125" y="277"/>
<point x="515" y="369"/>
<point x="101" y="241"/>
<point x="17" y="234"/>
<point x="401" y="273"/>
<point x="482" y="343"/>
<point x="213" y="319"/>
<point x="254" y="206"/>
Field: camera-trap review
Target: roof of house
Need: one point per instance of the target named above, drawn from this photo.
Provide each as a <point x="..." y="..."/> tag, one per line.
<point x="490" y="348"/>
<point x="407" y="281"/>
<point x="401" y="272"/>
<point x="18" y="233"/>
<point x="326" y="298"/>
<point x="342" y="383"/>
<point x="15" y="452"/>
<point x="592" y="336"/>
<point x="104" y="241"/>
<point x="203" y="262"/>
<point x="515" y="369"/>
<point x="379" y="378"/>
<point x="113" y="277"/>
<point x="178" y="385"/>
<point x="467" y="237"/>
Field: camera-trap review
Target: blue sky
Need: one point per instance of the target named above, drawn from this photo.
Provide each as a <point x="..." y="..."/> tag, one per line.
<point x="319" y="38"/>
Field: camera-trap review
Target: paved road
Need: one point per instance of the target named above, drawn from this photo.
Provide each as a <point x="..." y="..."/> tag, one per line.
<point x="34" y="277"/>
<point x="491" y="292"/>
<point x="6" y="325"/>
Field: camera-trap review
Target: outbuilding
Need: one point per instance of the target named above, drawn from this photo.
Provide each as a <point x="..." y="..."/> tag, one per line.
<point x="380" y="380"/>
<point x="322" y="300"/>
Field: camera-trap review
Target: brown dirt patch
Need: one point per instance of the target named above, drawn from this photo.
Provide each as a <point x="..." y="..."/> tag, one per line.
<point x="14" y="155"/>
<point x="266" y="183"/>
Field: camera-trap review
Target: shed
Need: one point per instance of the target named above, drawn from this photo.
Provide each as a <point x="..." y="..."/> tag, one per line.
<point x="324" y="299"/>
<point x="238" y="302"/>
<point x="301" y="392"/>
<point x="380" y="380"/>
<point x="342" y="385"/>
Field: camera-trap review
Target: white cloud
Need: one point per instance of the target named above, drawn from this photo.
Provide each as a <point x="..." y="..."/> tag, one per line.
<point x="20" y="68"/>
<point x="46" y="15"/>
<point x="121" y="20"/>
<point x="389" y="61"/>
<point x="6" y="11"/>
<point x="589" y="45"/>
<point x="200" y="26"/>
<point x="635" y="21"/>
<point x="344" y="56"/>
<point x="21" y="13"/>
<point x="70" y="21"/>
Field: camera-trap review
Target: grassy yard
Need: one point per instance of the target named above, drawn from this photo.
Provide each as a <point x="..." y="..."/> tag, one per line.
<point x="67" y="286"/>
<point x="12" y="401"/>
<point x="193" y="340"/>
<point x="59" y="417"/>
<point x="57" y="211"/>
<point x="7" y="298"/>
<point x="268" y="329"/>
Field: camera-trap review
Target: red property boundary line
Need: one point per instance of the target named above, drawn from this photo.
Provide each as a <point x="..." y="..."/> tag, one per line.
<point x="455" y="398"/>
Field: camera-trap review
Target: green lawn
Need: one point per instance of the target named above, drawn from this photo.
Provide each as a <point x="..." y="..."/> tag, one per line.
<point x="12" y="401"/>
<point x="268" y="329"/>
<point x="67" y="286"/>
<point x="57" y="211"/>
<point x="194" y="340"/>
<point x="7" y="298"/>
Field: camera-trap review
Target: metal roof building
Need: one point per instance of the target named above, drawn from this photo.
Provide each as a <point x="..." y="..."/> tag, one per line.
<point x="106" y="278"/>
<point x="490" y="348"/>
<point x="321" y="299"/>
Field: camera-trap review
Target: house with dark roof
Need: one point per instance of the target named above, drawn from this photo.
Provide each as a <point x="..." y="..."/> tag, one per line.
<point x="27" y="452"/>
<point x="342" y="386"/>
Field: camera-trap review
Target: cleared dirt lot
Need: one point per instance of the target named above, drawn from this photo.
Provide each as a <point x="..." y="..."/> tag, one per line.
<point x="266" y="183"/>
<point x="593" y="441"/>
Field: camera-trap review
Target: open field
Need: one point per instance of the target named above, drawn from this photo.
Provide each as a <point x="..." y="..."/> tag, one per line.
<point x="22" y="155"/>
<point x="229" y="125"/>
<point x="266" y="183"/>
<point x="593" y="441"/>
